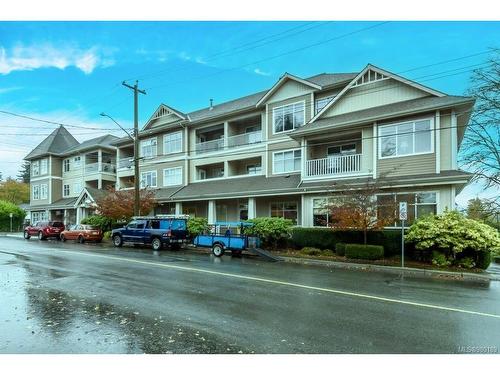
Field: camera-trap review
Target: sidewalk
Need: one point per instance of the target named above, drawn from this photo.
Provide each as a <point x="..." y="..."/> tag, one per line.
<point x="12" y="234"/>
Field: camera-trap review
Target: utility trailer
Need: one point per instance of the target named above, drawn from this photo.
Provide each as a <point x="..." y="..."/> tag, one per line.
<point x="231" y="236"/>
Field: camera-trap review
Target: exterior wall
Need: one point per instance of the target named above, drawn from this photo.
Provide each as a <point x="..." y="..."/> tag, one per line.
<point x="407" y="165"/>
<point x="40" y="202"/>
<point x="55" y="166"/>
<point x="290" y="89"/>
<point x="71" y="181"/>
<point x="40" y="174"/>
<point x="269" y="114"/>
<point x="445" y="135"/>
<point x="264" y="205"/>
<point x="56" y="192"/>
<point x="373" y="95"/>
<point x="159" y="167"/>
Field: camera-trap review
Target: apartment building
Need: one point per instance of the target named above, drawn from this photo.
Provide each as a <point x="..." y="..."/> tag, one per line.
<point x="282" y="151"/>
<point x="68" y="176"/>
<point x="286" y="151"/>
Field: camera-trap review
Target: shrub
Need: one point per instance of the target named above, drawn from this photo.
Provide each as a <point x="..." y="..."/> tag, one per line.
<point x="483" y="259"/>
<point x="100" y="221"/>
<point x="327" y="252"/>
<point x="452" y="232"/>
<point x="440" y="260"/>
<point x="6" y="208"/>
<point x="496" y="259"/>
<point x="271" y="230"/>
<point x="197" y="225"/>
<point x="310" y="251"/>
<point x="358" y="251"/>
<point x="106" y="235"/>
<point x="466" y="262"/>
<point x="340" y="248"/>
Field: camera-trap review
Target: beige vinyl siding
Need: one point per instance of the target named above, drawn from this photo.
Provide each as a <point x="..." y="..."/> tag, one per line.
<point x="164" y="120"/>
<point x="159" y="170"/>
<point x="71" y="182"/>
<point x="56" y="192"/>
<point x="407" y="165"/>
<point x="290" y="89"/>
<point x="374" y="95"/>
<point x="56" y="166"/>
<point x="306" y="99"/>
<point x="40" y="202"/>
<point x="445" y="135"/>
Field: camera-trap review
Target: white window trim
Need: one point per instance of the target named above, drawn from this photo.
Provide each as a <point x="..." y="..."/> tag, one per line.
<point x="379" y="143"/>
<point x="37" y="187"/>
<point x="255" y="166"/>
<point x="282" y="152"/>
<point x="46" y="195"/>
<point x="165" y="152"/>
<point x="142" y="179"/>
<point x="285" y="202"/>
<point x="148" y="140"/>
<point x="69" y="190"/>
<point x="176" y="184"/>
<point x="68" y="161"/>
<point x="46" y="166"/>
<point x="286" y="105"/>
<point x="36" y="162"/>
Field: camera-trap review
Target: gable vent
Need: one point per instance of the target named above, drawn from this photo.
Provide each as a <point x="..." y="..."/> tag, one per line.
<point x="161" y="112"/>
<point x="369" y="77"/>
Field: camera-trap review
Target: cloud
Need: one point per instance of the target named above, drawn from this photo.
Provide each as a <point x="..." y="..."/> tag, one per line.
<point x="33" y="57"/>
<point x="260" y="72"/>
<point x="5" y="90"/>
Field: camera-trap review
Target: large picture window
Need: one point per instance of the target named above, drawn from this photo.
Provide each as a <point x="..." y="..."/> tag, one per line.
<point x="419" y="205"/>
<point x="321" y="103"/>
<point x="172" y="176"/>
<point x="148" y="148"/>
<point x="286" y="161"/>
<point x="286" y="210"/>
<point x="288" y="117"/>
<point x="148" y="179"/>
<point x="407" y="138"/>
<point x="322" y="211"/>
<point x="172" y="142"/>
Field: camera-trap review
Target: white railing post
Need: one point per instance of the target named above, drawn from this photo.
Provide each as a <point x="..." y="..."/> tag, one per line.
<point x="334" y="165"/>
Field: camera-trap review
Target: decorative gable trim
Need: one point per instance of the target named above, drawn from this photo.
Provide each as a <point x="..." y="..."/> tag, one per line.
<point x="83" y="198"/>
<point x="369" y="75"/>
<point x="164" y="111"/>
<point x="281" y="82"/>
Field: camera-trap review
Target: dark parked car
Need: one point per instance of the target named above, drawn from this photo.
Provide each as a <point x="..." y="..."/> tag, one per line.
<point x="44" y="230"/>
<point x="155" y="231"/>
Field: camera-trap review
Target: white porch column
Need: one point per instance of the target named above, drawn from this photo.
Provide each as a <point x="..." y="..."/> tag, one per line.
<point x="77" y="215"/>
<point x="303" y="213"/>
<point x="178" y="208"/>
<point x="252" y="208"/>
<point x="99" y="160"/>
<point x="304" y="156"/>
<point x="226" y="134"/>
<point x="212" y="214"/>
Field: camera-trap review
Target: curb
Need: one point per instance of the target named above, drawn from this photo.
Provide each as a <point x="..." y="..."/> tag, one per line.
<point x="407" y="271"/>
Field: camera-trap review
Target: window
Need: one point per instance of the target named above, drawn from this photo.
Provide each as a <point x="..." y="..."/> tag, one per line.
<point x="77" y="162"/>
<point x="322" y="208"/>
<point x="77" y="188"/>
<point x="44" y="166"/>
<point x="347" y="149"/>
<point x="172" y="176"/>
<point x="44" y="191"/>
<point x="288" y="117"/>
<point x="172" y="142"/>
<point x="217" y="172"/>
<point x="321" y="103"/>
<point x="148" y="179"/>
<point x="38" y="216"/>
<point x="65" y="190"/>
<point x="419" y="205"/>
<point x="35" y="167"/>
<point x="36" y="192"/>
<point x="148" y="148"/>
<point x="254" y="169"/>
<point x="286" y="210"/>
<point x="287" y="161"/>
<point x="66" y="164"/>
<point x="408" y="138"/>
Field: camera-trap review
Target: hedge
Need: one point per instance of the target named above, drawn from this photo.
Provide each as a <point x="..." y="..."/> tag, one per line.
<point x="326" y="238"/>
<point x="340" y="248"/>
<point x="483" y="259"/>
<point x="17" y="220"/>
<point x="358" y="251"/>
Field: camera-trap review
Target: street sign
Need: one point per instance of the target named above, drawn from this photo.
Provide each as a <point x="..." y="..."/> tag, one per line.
<point x="11" y="215"/>
<point x="403" y="211"/>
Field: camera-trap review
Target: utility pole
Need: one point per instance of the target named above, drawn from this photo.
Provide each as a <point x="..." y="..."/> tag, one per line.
<point x="136" y="144"/>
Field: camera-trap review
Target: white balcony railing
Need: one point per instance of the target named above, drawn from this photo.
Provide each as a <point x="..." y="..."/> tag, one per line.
<point x="210" y="146"/>
<point x="126" y="162"/>
<point x="333" y="165"/>
<point x="244" y="139"/>
<point x="105" y="167"/>
<point x="92" y="168"/>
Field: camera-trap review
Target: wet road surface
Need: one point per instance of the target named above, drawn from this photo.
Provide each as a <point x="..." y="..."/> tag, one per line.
<point x="70" y="298"/>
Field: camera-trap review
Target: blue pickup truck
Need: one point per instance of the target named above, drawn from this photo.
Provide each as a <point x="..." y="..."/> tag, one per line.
<point x="157" y="231"/>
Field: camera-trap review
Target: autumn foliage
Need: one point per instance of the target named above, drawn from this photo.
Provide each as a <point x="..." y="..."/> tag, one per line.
<point x="119" y="204"/>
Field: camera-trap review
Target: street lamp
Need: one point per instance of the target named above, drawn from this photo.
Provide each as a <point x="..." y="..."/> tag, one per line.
<point x="134" y="138"/>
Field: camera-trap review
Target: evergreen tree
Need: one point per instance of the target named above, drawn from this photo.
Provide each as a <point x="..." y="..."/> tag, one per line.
<point x="24" y="173"/>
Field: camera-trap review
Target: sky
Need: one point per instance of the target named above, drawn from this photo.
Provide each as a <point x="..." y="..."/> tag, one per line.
<point x="70" y="72"/>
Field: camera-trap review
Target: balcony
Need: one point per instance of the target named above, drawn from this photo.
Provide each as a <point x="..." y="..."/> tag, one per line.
<point x="209" y="146"/>
<point x="103" y="168"/>
<point x="126" y="163"/>
<point x="333" y="166"/>
<point x="244" y="139"/>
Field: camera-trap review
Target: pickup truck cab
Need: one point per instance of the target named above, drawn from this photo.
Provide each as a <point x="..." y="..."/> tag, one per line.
<point x="157" y="231"/>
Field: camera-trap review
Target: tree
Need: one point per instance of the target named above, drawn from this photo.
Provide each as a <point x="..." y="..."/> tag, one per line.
<point x="119" y="204"/>
<point x="486" y="210"/>
<point x="24" y="172"/>
<point x="14" y="191"/>
<point x="356" y="207"/>
<point x="7" y="208"/>
<point x="480" y="151"/>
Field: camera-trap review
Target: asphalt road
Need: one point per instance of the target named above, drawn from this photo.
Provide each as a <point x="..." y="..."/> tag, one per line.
<point x="70" y="298"/>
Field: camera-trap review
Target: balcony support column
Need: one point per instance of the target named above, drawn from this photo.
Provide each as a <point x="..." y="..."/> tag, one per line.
<point x="252" y="208"/>
<point x="303" y="157"/>
<point x="212" y="214"/>
<point x="178" y="208"/>
<point x="226" y="134"/>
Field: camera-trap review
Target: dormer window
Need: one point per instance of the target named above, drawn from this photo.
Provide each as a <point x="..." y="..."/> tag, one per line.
<point x="288" y="117"/>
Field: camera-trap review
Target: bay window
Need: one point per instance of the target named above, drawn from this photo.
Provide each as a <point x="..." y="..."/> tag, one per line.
<point x="44" y="166"/>
<point x="44" y="191"/>
<point x="35" y="168"/>
<point x="36" y="192"/>
<point x="407" y="138"/>
<point x="287" y="161"/>
<point x="288" y="117"/>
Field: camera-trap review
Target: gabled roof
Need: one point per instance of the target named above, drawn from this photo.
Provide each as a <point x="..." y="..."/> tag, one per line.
<point x="92" y="193"/>
<point x="57" y="142"/>
<point x="331" y="79"/>
<point x="282" y="81"/>
<point x="165" y="110"/>
<point x="98" y="142"/>
<point x="378" y="71"/>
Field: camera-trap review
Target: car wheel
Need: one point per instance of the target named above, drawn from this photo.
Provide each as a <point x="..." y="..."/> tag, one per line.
<point x="41" y="236"/>
<point x="63" y="239"/>
<point x="217" y="250"/>
<point x="156" y="244"/>
<point x="117" y="240"/>
<point x="26" y="235"/>
<point x="81" y="239"/>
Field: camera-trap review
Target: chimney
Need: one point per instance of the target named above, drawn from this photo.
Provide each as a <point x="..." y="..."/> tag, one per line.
<point x="211" y="104"/>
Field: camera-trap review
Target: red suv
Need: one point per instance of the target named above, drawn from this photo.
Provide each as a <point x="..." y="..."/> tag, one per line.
<point x="44" y="230"/>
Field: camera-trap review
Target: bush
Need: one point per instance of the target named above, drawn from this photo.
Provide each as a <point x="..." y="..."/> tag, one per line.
<point x="358" y="251"/>
<point x="340" y="249"/>
<point x="310" y="251"/>
<point x="106" y="235"/>
<point x="451" y="232"/>
<point x="271" y="230"/>
<point x="466" y="262"/>
<point x="197" y="225"/>
<point x="496" y="259"/>
<point x="6" y="208"/>
<point x="103" y="222"/>
<point x="483" y="259"/>
<point x="440" y="260"/>
<point x="327" y="252"/>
